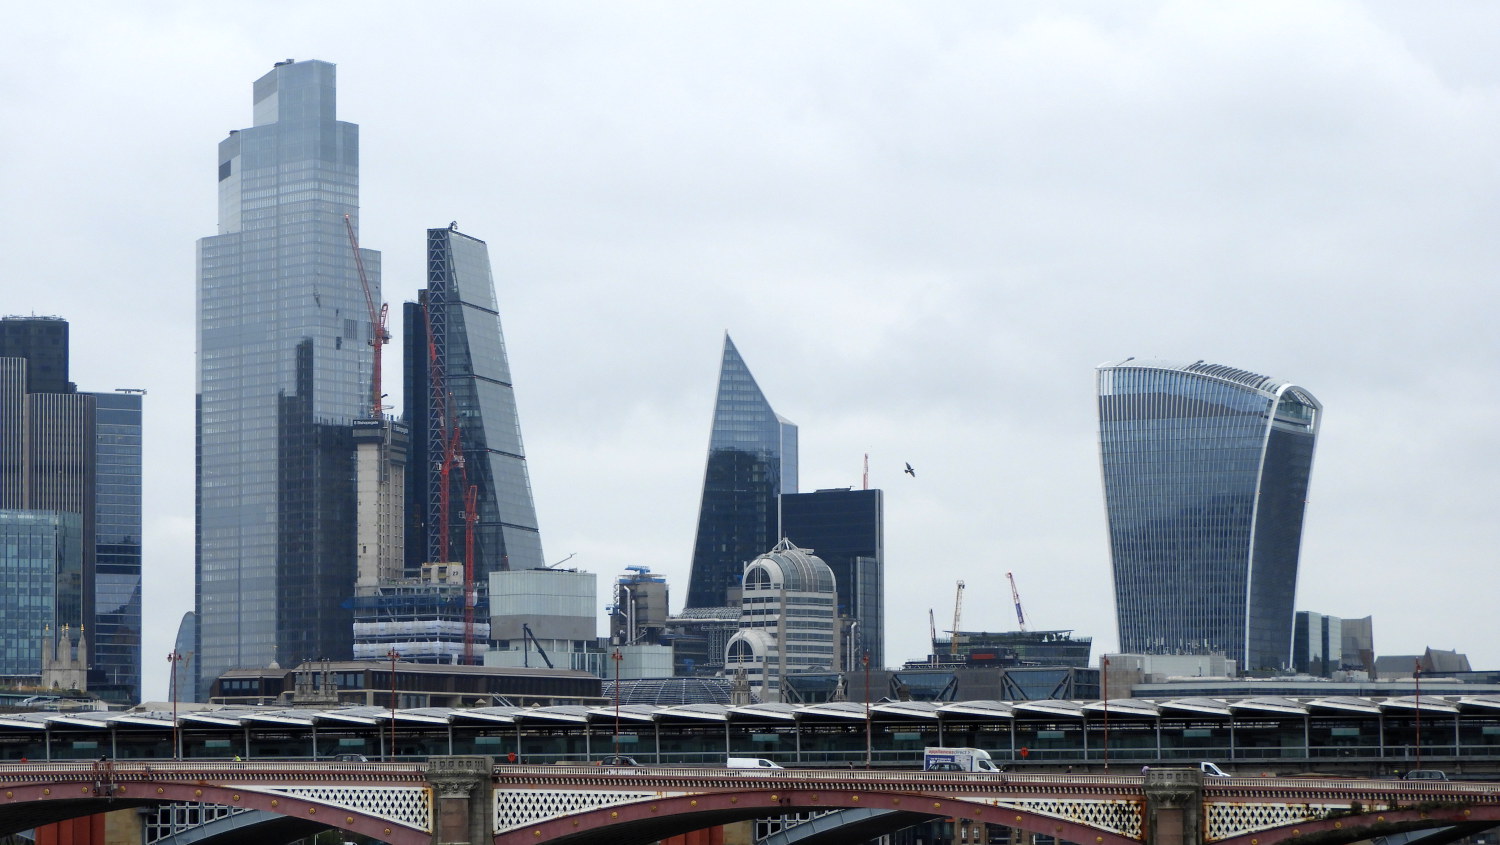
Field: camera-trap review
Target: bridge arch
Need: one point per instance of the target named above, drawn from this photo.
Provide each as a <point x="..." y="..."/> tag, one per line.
<point x="26" y="805"/>
<point x="1354" y="827"/>
<point x="648" y="820"/>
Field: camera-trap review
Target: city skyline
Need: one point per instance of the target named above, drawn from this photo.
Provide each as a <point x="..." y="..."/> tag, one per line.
<point x="924" y="227"/>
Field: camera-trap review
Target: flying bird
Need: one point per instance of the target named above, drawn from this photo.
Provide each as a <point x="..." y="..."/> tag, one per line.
<point x="911" y="472"/>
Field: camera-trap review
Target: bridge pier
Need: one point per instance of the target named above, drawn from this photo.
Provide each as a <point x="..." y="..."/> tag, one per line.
<point x="1174" y="807"/>
<point x="461" y="788"/>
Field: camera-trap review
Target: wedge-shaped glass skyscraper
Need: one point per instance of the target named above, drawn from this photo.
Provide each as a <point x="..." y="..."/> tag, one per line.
<point x="460" y="403"/>
<point x="284" y="366"/>
<point x="752" y="460"/>
<point x="1205" y="484"/>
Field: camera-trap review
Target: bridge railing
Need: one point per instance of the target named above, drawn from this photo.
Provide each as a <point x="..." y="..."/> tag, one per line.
<point x="822" y="775"/>
<point x="1337" y="784"/>
<point x="226" y="770"/>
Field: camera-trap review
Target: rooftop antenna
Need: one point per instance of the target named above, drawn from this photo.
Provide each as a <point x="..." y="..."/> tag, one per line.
<point x="867" y="472"/>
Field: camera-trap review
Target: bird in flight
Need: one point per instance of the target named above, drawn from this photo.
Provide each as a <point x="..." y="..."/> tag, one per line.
<point x="911" y="472"/>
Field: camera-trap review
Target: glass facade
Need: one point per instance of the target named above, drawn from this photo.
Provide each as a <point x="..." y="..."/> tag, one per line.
<point x="846" y="530"/>
<point x="41" y="584"/>
<point x="1206" y="472"/>
<point x="284" y="366"/>
<point x="462" y="321"/>
<point x="116" y="633"/>
<point x="752" y="461"/>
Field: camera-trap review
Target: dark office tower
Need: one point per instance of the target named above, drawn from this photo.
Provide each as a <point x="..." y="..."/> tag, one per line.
<point x="116" y="634"/>
<point x="284" y="367"/>
<point x="1205" y="484"/>
<point x="34" y="352"/>
<point x="43" y="343"/>
<point x="752" y="461"/>
<point x="457" y="374"/>
<point x="846" y="529"/>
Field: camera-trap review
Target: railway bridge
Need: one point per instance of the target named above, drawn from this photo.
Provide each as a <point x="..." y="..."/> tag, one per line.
<point x="469" y="800"/>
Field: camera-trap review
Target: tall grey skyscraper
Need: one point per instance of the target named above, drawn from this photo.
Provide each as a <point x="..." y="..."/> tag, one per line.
<point x="73" y="460"/>
<point x="459" y="394"/>
<point x="752" y="460"/>
<point x="1206" y="471"/>
<point x="284" y="366"/>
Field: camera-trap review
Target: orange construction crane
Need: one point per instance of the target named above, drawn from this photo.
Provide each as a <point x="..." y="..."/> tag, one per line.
<point x="377" y="322"/>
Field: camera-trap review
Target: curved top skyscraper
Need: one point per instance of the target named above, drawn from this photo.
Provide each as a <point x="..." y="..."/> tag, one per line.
<point x="752" y="460"/>
<point x="1205" y="485"/>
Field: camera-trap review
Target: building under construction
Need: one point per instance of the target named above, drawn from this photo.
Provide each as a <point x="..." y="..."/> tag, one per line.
<point x="423" y="618"/>
<point x="1012" y="648"/>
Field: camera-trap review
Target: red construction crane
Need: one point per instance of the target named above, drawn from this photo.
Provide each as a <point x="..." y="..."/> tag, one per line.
<point x="377" y="321"/>
<point x="1015" y="596"/>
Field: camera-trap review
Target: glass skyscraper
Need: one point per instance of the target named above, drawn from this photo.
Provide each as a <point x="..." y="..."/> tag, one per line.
<point x="284" y="366"/>
<point x="471" y="391"/>
<point x="1206" y="473"/>
<point x="116" y="635"/>
<point x="752" y="460"/>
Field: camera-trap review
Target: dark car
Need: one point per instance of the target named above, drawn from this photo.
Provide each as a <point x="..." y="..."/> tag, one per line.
<point x="944" y="766"/>
<point x="1425" y="774"/>
<point x="618" y="760"/>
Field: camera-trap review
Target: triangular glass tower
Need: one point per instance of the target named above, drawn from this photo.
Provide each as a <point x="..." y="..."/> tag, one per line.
<point x="752" y="460"/>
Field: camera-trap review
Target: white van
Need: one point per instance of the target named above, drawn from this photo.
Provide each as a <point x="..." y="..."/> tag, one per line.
<point x="957" y="760"/>
<point x="751" y="763"/>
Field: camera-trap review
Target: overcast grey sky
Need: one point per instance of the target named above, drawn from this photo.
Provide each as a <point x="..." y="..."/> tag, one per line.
<point x="924" y="224"/>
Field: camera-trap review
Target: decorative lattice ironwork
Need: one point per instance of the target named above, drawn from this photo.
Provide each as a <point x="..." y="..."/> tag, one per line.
<point x="515" y="808"/>
<point x="1122" y="817"/>
<point x="1230" y="820"/>
<point x="405" y="805"/>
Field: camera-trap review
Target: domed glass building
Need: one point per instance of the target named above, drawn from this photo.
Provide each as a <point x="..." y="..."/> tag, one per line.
<point x="788" y="620"/>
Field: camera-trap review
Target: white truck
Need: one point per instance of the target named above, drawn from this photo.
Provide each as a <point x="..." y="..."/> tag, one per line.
<point x="957" y="760"/>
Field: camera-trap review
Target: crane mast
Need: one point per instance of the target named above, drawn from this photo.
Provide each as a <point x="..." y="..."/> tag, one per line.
<point x="958" y="607"/>
<point x="1015" y="596"/>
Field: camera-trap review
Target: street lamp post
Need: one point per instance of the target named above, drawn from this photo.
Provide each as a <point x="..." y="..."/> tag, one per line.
<point x="617" y="657"/>
<point x="1104" y="678"/>
<point x="393" y="654"/>
<point x="175" y="658"/>
<point x="1417" y="678"/>
<point x="869" y="726"/>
